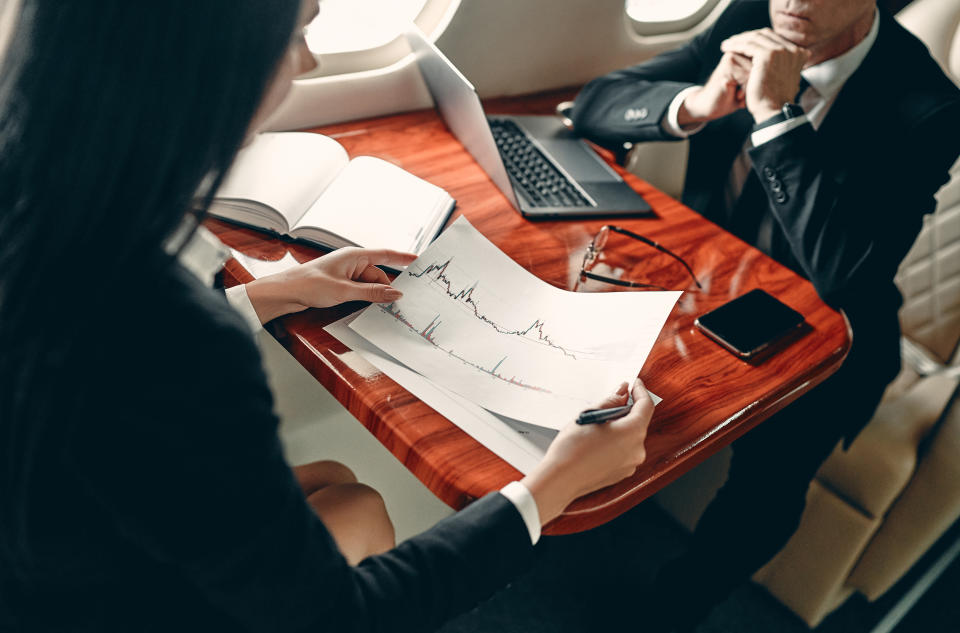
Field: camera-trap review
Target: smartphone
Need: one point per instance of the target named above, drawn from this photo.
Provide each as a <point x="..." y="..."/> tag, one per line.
<point x="750" y="323"/>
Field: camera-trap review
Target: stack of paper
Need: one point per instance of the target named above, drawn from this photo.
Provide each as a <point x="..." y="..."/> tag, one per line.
<point x="505" y="356"/>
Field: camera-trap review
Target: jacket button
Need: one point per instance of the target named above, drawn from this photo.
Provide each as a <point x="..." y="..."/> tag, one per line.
<point x="780" y="197"/>
<point x="776" y="185"/>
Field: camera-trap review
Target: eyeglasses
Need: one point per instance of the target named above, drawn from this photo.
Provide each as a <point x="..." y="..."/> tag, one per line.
<point x="600" y="241"/>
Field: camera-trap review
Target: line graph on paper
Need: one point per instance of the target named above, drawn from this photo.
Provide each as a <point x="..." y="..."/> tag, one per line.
<point x="427" y="334"/>
<point x="475" y="322"/>
<point x="435" y="273"/>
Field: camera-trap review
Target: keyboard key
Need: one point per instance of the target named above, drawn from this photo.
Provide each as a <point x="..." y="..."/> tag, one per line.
<point x="543" y="184"/>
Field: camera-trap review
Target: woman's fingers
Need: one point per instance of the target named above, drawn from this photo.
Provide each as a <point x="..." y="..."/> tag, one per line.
<point x="641" y="411"/>
<point x="376" y="293"/>
<point x="387" y="257"/>
<point x="373" y="275"/>
<point x="617" y="399"/>
<point x="641" y="397"/>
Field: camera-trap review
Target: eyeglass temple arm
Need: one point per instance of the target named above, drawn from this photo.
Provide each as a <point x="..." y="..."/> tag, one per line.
<point x="662" y="249"/>
<point x="619" y="282"/>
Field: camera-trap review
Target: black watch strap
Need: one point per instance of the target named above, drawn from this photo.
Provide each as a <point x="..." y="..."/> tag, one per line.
<point x="789" y="111"/>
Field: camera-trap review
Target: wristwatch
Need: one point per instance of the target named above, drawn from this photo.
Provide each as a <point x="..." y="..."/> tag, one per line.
<point x="787" y="112"/>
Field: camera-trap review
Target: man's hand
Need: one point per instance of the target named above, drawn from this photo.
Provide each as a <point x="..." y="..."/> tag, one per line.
<point x="584" y="458"/>
<point x="347" y="274"/>
<point x="721" y="95"/>
<point x="774" y="65"/>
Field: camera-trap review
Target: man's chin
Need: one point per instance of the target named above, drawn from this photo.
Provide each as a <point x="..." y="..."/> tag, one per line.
<point x="795" y="28"/>
<point x="799" y="36"/>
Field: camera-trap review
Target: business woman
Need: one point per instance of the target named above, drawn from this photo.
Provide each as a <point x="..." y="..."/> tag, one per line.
<point x="142" y="484"/>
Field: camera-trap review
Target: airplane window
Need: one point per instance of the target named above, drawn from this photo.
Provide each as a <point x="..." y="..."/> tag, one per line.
<point x="355" y="25"/>
<point x="656" y="17"/>
<point x="663" y="10"/>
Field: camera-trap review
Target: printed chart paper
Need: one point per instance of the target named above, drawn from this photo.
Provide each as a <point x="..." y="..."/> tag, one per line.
<point x="475" y="322"/>
<point x="520" y="445"/>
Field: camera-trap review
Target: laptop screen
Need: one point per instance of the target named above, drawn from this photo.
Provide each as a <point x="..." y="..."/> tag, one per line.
<point x="460" y="108"/>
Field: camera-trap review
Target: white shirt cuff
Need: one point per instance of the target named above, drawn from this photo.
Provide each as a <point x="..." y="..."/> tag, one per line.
<point x="777" y="129"/>
<point x="237" y="297"/>
<point x="671" y="122"/>
<point x="526" y="505"/>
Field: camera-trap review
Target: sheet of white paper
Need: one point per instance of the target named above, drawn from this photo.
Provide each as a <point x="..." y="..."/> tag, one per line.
<point x="520" y="445"/>
<point x="478" y="324"/>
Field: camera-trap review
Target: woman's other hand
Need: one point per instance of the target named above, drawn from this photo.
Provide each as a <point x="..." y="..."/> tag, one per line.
<point x="347" y="274"/>
<point x="584" y="458"/>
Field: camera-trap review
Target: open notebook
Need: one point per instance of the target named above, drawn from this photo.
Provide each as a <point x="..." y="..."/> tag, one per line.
<point x="305" y="186"/>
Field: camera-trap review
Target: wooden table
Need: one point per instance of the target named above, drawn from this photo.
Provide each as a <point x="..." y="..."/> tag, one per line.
<point x="710" y="397"/>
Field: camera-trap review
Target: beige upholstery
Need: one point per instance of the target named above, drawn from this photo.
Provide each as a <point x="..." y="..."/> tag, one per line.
<point x="927" y="507"/>
<point x="808" y="575"/>
<point x="871" y="474"/>
<point x="930" y="276"/>
<point x="874" y="510"/>
<point x="855" y="498"/>
<point x="936" y="23"/>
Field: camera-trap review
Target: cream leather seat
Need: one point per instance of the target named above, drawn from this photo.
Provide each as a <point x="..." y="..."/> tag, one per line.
<point x="874" y="510"/>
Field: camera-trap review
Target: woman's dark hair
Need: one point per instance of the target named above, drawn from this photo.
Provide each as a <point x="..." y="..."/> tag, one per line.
<point x="115" y="117"/>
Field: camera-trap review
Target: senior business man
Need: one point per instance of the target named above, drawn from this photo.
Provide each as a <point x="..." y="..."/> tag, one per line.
<point x="819" y="132"/>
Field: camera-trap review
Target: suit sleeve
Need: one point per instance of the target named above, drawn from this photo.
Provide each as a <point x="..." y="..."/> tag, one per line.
<point x="193" y="474"/>
<point x="627" y="106"/>
<point x="850" y="231"/>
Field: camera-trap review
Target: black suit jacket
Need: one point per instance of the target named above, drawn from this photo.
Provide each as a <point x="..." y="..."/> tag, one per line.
<point x="854" y="192"/>
<point x="162" y="500"/>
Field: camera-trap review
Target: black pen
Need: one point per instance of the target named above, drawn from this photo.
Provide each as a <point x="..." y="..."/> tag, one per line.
<point x="599" y="416"/>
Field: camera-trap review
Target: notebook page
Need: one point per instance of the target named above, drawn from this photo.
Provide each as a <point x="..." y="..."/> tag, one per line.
<point x="286" y="171"/>
<point x="376" y="204"/>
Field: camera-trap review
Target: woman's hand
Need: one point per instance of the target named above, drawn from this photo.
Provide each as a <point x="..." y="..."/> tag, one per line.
<point x="347" y="274"/>
<point x="584" y="458"/>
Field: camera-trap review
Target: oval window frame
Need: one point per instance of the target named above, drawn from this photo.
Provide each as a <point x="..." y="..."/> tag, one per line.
<point x="668" y="27"/>
<point x="432" y="17"/>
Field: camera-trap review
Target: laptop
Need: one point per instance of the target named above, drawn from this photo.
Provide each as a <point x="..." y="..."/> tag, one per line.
<point x="542" y="168"/>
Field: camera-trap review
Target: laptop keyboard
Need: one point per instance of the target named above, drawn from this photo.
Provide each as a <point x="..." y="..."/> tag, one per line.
<point x="542" y="183"/>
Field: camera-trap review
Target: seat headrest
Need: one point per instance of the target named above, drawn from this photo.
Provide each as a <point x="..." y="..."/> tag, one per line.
<point x="937" y="24"/>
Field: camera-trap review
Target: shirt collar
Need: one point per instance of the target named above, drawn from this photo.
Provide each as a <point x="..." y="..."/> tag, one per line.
<point x="828" y="77"/>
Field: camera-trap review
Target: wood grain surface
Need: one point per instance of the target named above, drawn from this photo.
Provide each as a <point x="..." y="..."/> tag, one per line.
<point x="710" y="397"/>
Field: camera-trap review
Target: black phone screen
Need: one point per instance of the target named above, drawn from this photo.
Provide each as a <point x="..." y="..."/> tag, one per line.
<point x="750" y="322"/>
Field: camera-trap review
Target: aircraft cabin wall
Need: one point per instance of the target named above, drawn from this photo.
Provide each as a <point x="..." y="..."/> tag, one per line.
<point x="504" y="47"/>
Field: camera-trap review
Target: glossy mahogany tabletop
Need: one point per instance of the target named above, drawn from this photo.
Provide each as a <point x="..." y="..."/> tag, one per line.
<point x="709" y="396"/>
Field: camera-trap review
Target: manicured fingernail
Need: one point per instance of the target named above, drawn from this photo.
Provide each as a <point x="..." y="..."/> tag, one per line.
<point x="392" y="294"/>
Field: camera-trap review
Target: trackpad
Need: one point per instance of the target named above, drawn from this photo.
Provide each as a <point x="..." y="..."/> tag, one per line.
<point x="579" y="161"/>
